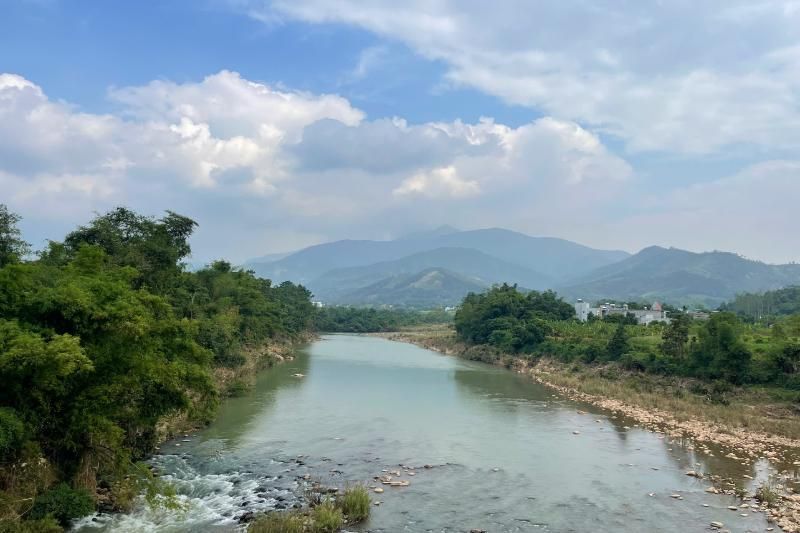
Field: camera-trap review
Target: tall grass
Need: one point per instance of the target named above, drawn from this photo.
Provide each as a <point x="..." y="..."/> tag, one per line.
<point x="328" y="518"/>
<point x="355" y="504"/>
<point x="279" y="522"/>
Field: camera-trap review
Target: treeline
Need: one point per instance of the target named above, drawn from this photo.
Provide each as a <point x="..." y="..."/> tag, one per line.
<point x="369" y="320"/>
<point x="765" y="306"/>
<point x="102" y="336"/>
<point x="723" y="348"/>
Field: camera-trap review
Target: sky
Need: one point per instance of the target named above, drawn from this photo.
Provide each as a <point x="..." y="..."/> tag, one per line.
<point x="285" y="123"/>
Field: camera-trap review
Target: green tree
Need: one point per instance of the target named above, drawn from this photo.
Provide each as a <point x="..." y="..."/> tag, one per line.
<point x="719" y="352"/>
<point x="675" y="337"/>
<point x="508" y="319"/>
<point x="618" y="344"/>
<point x="12" y="246"/>
<point x="155" y="248"/>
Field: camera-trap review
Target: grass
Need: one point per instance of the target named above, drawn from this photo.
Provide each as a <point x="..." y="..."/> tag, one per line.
<point x="770" y="410"/>
<point x="753" y="408"/>
<point x="355" y="504"/>
<point x="768" y="495"/>
<point x="328" y="518"/>
<point x="279" y="522"/>
<point x="325" y="515"/>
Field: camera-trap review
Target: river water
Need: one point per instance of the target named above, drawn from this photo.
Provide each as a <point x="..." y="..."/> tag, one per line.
<point x="506" y="454"/>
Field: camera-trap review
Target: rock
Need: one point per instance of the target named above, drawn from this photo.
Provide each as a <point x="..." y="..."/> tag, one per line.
<point x="378" y="490"/>
<point x="733" y="508"/>
<point x="576" y="432"/>
<point x="298" y="375"/>
<point x="676" y="496"/>
<point x="475" y="530"/>
<point x="694" y="473"/>
<point x="717" y="525"/>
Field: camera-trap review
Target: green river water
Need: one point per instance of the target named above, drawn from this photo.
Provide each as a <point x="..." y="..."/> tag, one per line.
<point x="504" y="452"/>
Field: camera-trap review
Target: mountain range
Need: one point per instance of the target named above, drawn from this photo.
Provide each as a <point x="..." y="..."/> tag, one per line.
<point x="439" y="267"/>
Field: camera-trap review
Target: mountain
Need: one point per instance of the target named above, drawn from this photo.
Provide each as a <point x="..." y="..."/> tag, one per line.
<point x="268" y="258"/>
<point x="332" y="285"/>
<point x="436" y="232"/>
<point x="558" y="259"/>
<point x="681" y="277"/>
<point x="432" y="287"/>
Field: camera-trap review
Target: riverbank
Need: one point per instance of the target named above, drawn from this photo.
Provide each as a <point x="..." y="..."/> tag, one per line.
<point x="753" y="424"/>
<point x="234" y="381"/>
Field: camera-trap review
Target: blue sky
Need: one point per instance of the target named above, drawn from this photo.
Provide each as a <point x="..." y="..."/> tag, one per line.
<point x="615" y="124"/>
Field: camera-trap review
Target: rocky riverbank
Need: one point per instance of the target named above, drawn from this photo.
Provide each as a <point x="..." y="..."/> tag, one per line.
<point x="739" y="443"/>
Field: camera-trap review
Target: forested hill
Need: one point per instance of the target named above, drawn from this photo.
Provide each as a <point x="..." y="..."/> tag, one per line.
<point x="104" y="335"/>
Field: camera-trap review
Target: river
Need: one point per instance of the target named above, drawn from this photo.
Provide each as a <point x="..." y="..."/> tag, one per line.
<point x="506" y="454"/>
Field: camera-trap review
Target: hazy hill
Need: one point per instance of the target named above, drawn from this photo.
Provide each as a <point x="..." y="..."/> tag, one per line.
<point x="680" y="276"/>
<point x="332" y="285"/>
<point x="433" y="287"/>
<point x="558" y="259"/>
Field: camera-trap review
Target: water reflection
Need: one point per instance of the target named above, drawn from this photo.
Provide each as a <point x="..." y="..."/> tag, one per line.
<point x="508" y="455"/>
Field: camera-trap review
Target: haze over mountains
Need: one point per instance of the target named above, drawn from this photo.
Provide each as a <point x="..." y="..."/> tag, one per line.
<point x="441" y="266"/>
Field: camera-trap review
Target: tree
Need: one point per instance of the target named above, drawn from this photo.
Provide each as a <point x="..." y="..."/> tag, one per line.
<point x="676" y="336"/>
<point x="509" y="319"/>
<point x="12" y="247"/>
<point x="719" y="352"/>
<point x="618" y="344"/>
<point x="153" y="247"/>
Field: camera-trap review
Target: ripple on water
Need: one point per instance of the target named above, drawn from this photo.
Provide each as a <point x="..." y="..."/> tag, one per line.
<point x="208" y="501"/>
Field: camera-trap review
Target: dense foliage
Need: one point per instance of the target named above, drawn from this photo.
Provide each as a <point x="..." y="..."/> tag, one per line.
<point x="369" y="320"/>
<point x="509" y="320"/>
<point x="777" y="303"/>
<point x="103" y="336"/>
<point x="722" y="348"/>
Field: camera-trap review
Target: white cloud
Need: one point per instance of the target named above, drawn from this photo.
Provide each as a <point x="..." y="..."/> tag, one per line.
<point x="443" y="181"/>
<point x="678" y="76"/>
<point x="312" y="166"/>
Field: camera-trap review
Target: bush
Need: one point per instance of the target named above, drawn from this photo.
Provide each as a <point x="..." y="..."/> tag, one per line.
<point x="63" y="504"/>
<point x="327" y="518"/>
<point x="278" y="522"/>
<point x="355" y="504"/>
<point x="12" y="433"/>
<point x="767" y="495"/>
<point x="46" y="525"/>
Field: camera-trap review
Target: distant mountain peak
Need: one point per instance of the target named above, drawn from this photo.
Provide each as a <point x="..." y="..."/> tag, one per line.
<point x="440" y="231"/>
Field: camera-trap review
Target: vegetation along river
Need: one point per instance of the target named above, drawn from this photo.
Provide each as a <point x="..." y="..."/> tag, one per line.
<point x="506" y="454"/>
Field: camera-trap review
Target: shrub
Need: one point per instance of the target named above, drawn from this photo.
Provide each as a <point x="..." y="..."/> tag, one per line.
<point x="46" y="525"/>
<point x="63" y="504"/>
<point x="12" y="433"/>
<point x="278" y="522"/>
<point x="327" y="518"/>
<point x="767" y="495"/>
<point x="355" y="504"/>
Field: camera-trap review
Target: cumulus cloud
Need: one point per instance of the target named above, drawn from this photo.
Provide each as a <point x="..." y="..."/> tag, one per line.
<point x="443" y="181"/>
<point x="678" y="76"/>
<point x="299" y="168"/>
<point x="309" y="160"/>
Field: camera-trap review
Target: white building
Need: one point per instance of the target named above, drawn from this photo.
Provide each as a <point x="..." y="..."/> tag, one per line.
<point x="582" y="310"/>
<point x="643" y="316"/>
